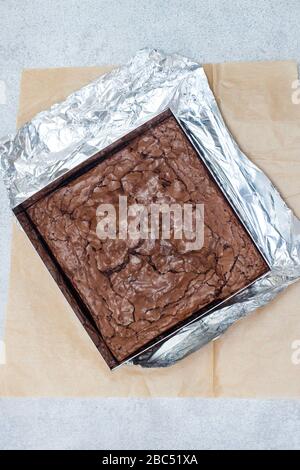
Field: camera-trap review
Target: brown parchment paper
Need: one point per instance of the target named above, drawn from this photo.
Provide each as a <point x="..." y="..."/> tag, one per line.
<point x="47" y="351"/>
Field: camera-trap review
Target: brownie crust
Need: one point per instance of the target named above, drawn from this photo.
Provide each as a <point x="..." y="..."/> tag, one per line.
<point x="136" y="290"/>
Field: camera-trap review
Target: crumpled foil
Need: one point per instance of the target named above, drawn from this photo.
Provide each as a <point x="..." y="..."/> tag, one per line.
<point x="68" y="133"/>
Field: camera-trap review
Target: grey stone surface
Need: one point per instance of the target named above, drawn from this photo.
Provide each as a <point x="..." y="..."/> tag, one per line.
<point x="148" y="424"/>
<point x="52" y="33"/>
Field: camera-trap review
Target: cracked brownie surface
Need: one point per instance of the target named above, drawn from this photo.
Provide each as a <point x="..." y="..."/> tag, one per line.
<point x="138" y="289"/>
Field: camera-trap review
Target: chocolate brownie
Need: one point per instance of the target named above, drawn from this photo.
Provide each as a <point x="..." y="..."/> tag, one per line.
<point x="138" y="289"/>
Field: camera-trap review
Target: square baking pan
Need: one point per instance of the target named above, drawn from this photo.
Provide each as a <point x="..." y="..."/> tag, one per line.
<point x="64" y="280"/>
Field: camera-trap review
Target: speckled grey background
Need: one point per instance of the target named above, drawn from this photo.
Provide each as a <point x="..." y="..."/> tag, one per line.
<point x="54" y="33"/>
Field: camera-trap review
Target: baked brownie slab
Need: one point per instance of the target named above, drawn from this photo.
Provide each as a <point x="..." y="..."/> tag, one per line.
<point x="138" y="289"/>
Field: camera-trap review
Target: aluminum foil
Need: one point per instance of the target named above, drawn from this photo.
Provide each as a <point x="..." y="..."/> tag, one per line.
<point x="68" y="133"/>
